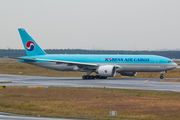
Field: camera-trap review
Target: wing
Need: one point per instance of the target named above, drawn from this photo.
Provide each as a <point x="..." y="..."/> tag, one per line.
<point x="27" y="59"/>
<point x="88" y="66"/>
<point x="71" y="63"/>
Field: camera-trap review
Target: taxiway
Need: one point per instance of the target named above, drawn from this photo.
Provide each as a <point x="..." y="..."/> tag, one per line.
<point x="126" y="83"/>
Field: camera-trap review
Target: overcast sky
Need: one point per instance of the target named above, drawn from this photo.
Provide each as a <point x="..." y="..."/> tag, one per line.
<point x="92" y="24"/>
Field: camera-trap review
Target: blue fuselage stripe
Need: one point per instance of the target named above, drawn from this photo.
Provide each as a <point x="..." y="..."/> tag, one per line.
<point x="105" y="58"/>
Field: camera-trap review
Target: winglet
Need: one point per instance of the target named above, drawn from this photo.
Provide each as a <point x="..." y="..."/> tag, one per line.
<point x="31" y="47"/>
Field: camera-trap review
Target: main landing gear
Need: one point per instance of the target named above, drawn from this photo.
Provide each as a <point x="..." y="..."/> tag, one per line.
<point x="162" y="73"/>
<point x="93" y="77"/>
<point x="161" y="77"/>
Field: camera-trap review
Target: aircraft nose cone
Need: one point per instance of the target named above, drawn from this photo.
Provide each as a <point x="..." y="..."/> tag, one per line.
<point x="172" y="66"/>
<point x="175" y="65"/>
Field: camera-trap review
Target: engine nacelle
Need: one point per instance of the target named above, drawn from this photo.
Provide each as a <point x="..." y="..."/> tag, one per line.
<point x="106" y="71"/>
<point x="128" y="73"/>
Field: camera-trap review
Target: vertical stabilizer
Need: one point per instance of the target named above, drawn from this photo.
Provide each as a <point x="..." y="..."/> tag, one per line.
<point x="30" y="46"/>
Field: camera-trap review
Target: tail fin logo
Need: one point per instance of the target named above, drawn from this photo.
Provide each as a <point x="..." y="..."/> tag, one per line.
<point x="30" y="46"/>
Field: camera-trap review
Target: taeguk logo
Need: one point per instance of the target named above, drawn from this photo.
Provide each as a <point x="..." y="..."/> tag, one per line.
<point x="105" y="71"/>
<point x="30" y="46"/>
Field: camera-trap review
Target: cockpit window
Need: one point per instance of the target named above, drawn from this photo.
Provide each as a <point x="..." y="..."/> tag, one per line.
<point x="169" y="61"/>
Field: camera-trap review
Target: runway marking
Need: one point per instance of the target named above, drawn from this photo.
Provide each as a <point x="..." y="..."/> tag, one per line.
<point x="146" y="80"/>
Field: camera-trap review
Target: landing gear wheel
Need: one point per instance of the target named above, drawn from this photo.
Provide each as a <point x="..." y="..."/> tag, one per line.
<point x="93" y="77"/>
<point x="83" y="77"/>
<point x="162" y="73"/>
<point x="97" y="77"/>
<point x="88" y="77"/>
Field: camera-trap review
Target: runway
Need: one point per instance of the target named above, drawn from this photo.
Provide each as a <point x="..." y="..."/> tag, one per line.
<point x="126" y="83"/>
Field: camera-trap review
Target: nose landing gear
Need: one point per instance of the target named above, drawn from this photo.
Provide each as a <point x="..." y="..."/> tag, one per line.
<point x="162" y="73"/>
<point x="161" y="77"/>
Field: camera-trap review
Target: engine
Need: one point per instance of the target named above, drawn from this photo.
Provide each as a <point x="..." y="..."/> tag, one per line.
<point x="106" y="71"/>
<point x="128" y="73"/>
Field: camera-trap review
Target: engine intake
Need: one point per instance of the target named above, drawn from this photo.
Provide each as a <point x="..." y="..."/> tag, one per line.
<point x="106" y="71"/>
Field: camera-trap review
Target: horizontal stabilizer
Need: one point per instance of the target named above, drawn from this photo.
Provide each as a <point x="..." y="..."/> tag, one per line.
<point x="27" y="59"/>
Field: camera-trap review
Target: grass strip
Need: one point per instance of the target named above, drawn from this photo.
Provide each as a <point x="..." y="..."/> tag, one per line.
<point x="170" y="80"/>
<point x="5" y="81"/>
<point x="90" y="103"/>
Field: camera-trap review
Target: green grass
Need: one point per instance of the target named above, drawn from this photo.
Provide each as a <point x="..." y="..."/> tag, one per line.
<point x="5" y="81"/>
<point x="170" y="80"/>
<point x="91" y="103"/>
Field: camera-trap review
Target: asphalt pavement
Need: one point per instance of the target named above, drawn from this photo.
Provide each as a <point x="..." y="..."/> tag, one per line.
<point x="126" y="83"/>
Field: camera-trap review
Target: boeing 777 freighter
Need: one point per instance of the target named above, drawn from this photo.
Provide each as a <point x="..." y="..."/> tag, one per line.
<point x="104" y="65"/>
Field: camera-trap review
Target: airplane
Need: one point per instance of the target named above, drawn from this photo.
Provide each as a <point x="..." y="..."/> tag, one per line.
<point x="103" y="65"/>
